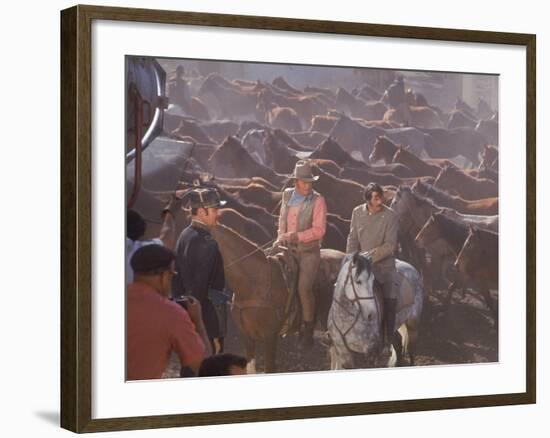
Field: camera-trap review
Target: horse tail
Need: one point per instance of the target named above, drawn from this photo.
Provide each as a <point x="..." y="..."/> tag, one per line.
<point x="405" y="338"/>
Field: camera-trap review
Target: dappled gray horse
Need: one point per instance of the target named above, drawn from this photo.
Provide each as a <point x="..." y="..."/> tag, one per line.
<point x="355" y="317"/>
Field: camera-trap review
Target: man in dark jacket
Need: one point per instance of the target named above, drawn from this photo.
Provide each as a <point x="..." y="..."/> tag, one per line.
<point x="199" y="262"/>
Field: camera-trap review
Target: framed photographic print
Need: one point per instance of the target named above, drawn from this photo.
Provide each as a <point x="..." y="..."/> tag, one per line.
<point x="315" y="206"/>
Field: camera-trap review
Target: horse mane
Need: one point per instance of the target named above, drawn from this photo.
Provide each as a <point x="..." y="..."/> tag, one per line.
<point x="449" y="228"/>
<point x="484" y="233"/>
<point x="227" y="196"/>
<point x="332" y="148"/>
<point x="333" y="179"/>
<point x="362" y="264"/>
<point x="388" y="140"/>
<point x="482" y="236"/>
<point x="280" y="134"/>
<point x="465" y="176"/>
<point x="418" y="197"/>
<point x="434" y="193"/>
<point x="402" y="151"/>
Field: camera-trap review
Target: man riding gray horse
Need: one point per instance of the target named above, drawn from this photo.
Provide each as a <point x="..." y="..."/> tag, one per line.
<point x="374" y="229"/>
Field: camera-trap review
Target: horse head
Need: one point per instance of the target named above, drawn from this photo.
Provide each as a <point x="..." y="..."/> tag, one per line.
<point x="355" y="318"/>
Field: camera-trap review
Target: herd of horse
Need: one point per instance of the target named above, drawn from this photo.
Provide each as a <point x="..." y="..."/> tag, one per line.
<point x="438" y="168"/>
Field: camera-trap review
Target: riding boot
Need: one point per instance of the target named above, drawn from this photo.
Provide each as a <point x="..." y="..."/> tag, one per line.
<point x="390" y="307"/>
<point x="392" y="336"/>
<point x="306" y="340"/>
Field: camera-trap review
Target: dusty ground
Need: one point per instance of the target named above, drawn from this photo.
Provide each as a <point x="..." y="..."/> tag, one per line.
<point x="462" y="334"/>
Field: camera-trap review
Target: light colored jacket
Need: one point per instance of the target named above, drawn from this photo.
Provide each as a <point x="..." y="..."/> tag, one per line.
<point x="374" y="232"/>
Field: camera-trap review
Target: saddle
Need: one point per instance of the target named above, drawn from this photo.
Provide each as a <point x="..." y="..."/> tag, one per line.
<point x="285" y="259"/>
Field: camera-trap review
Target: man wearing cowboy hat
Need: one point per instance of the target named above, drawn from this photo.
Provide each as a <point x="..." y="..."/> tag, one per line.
<point x="302" y="225"/>
<point x="199" y="262"/>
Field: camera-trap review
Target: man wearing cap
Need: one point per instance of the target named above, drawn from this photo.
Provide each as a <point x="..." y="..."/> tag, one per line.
<point x="155" y="325"/>
<point x="302" y="225"/>
<point x="199" y="262"/>
<point x="374" y="228"/>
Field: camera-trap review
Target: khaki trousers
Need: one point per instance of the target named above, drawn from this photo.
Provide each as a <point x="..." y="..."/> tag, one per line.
<point x="308" y="263"/>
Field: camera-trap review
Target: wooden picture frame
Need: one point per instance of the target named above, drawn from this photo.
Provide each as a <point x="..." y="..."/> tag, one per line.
<point x="76" y="217"/>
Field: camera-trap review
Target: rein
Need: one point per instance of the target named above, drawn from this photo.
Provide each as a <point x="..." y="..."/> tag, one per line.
<point x="357" y="297"/>
<point x="265" y="245"/>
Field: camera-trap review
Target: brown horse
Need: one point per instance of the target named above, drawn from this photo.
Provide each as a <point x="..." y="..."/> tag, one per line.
<point x="261" y="293"/>
<point x="384" y="149"/>
<point x="478" y="261"/>
<point x="454" y="234"/>
<point x="258" y="195"/>
<point x="234" y="102"/>
<point x="341" y="195"/>
<point x="359" y="108"/>
<point x="417" y="116"/>
<point x="232" y="160"/>
<point x="323" y="124"/>
<point x="466" y="186"/>
<point x="189" y="128"/>
<point x="414" y="211"/>
<point x="220" y="130"/>
<point x="461" y="119"/>
<point x="282" y="158"/>
<point x="248" y="228"/>
<point x="488" y="206"/>
<point x="418" y="166"/>
<point x="305" y="106"/>
<point x="450" y="234"/>
<point x="489" y="129"/>
<point x="489" y="158"/>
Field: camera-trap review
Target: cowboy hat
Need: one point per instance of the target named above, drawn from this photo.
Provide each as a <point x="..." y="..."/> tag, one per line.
<point x="302" y="171"/>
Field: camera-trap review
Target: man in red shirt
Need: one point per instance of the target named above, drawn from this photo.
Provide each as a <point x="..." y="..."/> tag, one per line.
<point x="302" y="225"/>
<point x="155" y="325"/>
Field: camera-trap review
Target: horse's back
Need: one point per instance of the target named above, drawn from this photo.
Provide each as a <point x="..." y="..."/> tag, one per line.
<point x="411" y="292"/>
<point x="407" y="270"/>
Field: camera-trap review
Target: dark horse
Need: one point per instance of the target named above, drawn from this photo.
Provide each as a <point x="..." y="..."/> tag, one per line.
<point x="258" y="307"/>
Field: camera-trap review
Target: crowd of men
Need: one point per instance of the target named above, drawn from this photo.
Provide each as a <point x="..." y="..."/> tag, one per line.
<point x="176" y="297"/>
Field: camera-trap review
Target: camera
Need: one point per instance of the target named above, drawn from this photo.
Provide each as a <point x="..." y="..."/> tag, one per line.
<point x="182" y="300"/>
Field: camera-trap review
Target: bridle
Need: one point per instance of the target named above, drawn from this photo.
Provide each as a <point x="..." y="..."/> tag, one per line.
<point x="357" y="299"/>
<point x="350" y="280"/>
